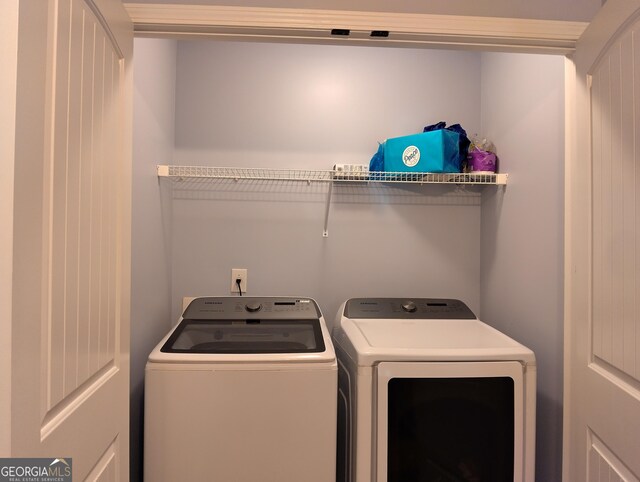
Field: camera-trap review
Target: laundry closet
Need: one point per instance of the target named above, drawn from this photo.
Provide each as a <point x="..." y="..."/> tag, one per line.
<point x="306" y="107"/>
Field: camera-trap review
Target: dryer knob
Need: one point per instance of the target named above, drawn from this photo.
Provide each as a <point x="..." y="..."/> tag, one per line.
<point x="409" y="306"/>
<point x="253" y="306"/>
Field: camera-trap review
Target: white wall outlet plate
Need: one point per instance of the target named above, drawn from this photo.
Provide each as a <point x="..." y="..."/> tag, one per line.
<point x="239" y="274"/>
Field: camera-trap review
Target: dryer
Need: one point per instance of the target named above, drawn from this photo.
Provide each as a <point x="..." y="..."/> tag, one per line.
<point x="242" y="389"/>
<point x="428" y="392"/>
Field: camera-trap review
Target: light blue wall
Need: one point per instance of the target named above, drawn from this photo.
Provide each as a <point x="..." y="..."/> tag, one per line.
<point x="521" y="287"/>
<point x="153" y="138"/>
<point x="309" y="106"/>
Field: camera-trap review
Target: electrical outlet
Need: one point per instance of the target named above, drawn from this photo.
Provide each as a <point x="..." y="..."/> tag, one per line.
<point x="239" y="273"/>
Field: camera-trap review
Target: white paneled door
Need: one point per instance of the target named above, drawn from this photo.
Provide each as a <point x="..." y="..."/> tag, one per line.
<point x="70" y="362"/>
<point x="602" y="398"/>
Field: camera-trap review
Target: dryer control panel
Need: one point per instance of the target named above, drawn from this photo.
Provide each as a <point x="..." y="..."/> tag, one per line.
<point x="407" y="308"/>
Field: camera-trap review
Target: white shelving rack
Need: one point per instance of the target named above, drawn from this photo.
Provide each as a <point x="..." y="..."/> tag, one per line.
<point x="183" y="173"/>
<point x="268" y="174"/>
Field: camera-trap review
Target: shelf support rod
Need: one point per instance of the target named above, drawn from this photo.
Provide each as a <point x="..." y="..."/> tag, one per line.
<point x="325" y="232"/>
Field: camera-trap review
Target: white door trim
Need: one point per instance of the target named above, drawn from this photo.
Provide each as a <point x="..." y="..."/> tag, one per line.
<point x="570" y="159"/>
<point x="310" y="25"/>
<point x="8" y="84"/>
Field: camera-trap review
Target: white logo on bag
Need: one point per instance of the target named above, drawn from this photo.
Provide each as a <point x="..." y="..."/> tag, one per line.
<point x="411" y="156"/>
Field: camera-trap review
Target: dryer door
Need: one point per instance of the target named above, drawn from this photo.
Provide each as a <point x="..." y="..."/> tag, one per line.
<point x="450" y="421"/>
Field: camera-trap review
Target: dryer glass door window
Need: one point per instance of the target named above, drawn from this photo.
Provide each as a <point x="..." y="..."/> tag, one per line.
<point x="450" y="422"/>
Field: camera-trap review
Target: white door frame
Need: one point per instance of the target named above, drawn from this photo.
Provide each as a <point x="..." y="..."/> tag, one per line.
<point x="8" y="80"/>
<point x="314" y="26"/>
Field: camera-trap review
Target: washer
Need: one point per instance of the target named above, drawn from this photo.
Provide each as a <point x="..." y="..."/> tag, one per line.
<point x="242" y="390"/>
<point x="428" y="392"/>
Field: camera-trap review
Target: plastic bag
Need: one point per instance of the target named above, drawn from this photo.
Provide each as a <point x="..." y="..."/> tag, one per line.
<point x="377" y="161"/>
<point x="463" y="143"/>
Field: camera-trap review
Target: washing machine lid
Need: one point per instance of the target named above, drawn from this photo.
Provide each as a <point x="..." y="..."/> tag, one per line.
<point x="246" y="336"/>
<point x="247" y="330"/>
<point x="392" y="329"/>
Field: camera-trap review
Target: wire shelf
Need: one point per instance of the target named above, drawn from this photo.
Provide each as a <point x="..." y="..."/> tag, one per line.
<point x="268" y="174"/>
<point x="424" y="177"/>
<point x="237" y="173"/>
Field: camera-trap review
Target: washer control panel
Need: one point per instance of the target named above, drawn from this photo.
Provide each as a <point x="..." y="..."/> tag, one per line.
<point x="252" y="307"/>
<point x="407" y="308"/>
